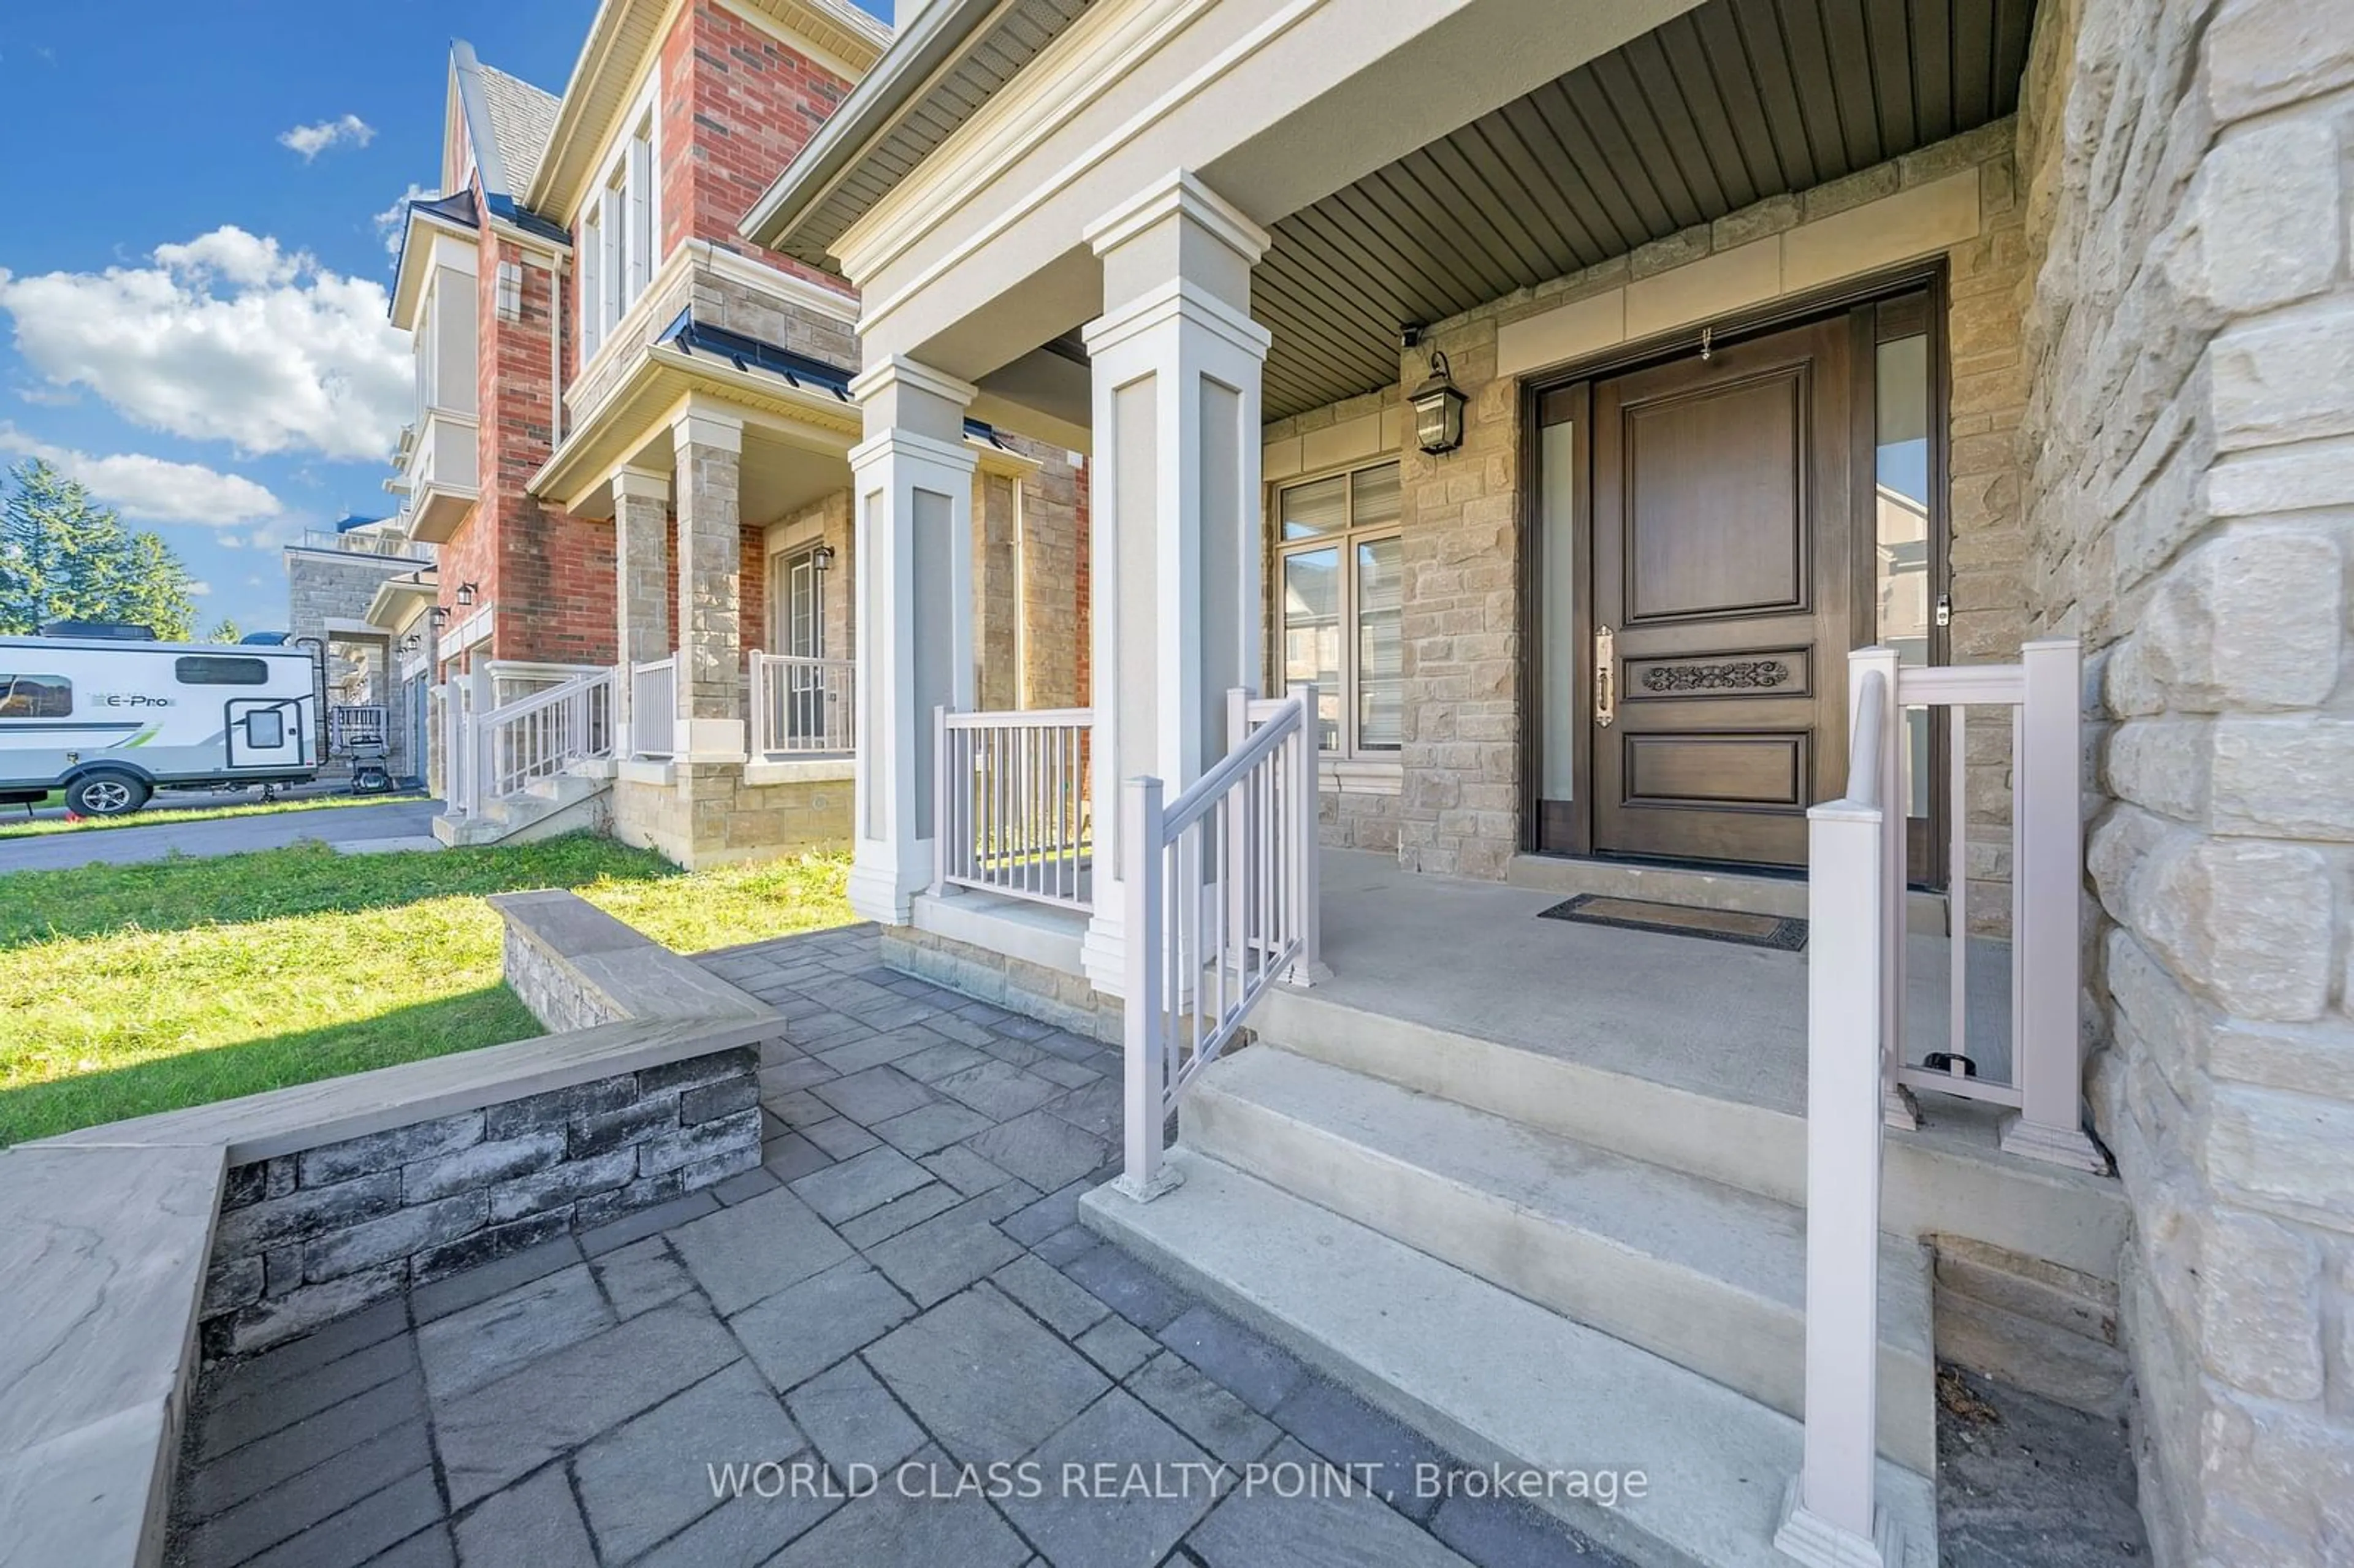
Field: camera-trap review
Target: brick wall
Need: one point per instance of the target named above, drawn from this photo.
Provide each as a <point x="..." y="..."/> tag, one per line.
<point x="548" y="575"/>
<point x="736" y="105"/>
<point x="2190" y="499"/>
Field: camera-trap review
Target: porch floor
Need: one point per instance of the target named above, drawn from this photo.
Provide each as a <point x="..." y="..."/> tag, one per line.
<point x="1714" y="1018"/>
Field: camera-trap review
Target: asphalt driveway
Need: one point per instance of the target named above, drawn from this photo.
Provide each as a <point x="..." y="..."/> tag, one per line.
<point x="410" y="816"/>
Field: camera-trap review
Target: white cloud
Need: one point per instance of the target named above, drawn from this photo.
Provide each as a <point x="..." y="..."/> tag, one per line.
<point x="49" y="396"/>
<point x="200" y="588"/>
<point x="393" y="221"/>
<point x="312" y="140"/>
<point x="226" y="337"/>
<point x="150" y="489"/>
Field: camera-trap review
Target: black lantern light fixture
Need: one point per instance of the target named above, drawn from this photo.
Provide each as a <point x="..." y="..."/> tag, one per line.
<point x="437" y="617"/>
<point x="1438" y="409"/>
<point x="822" y="558"/>
<point x="409" y="643"/>
<point x="465" y="595"/>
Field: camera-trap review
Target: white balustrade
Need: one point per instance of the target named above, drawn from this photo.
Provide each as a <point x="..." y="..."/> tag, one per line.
<point x="537" y="737"/>
<point x="1859" y="1076"/>
<point x="1222" y="902"/>
<point x="653" y="708"/>
<point x="800" y="706"/>
<point x="1010" y="811"/>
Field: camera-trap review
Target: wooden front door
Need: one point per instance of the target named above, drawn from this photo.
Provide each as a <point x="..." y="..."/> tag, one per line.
<point x="1722" y="574"/>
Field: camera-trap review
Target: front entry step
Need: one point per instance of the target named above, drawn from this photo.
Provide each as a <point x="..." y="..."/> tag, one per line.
<point x="1494" y="1378"/>
<point x="1707" y="1275"/>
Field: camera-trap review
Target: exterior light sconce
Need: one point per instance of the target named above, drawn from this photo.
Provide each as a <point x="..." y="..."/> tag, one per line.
<point x="409" y="643"/>
<point x="437" y="617"/>
<point x="510" y="290"/>
<point x="822" y="558"/>
<point x="465" y="595"/>
<point x="1438" y="409"/>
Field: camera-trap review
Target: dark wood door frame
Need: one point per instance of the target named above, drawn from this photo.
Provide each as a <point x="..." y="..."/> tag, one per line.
<point x="1565" y="394"/>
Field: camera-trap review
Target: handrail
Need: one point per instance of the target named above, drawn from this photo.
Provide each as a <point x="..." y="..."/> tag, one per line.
<point x="539" y="735"/>
<point x="800" y="704"/>
<point x="1221" y="902"/>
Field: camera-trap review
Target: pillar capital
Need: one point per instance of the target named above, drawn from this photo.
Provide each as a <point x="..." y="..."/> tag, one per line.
<point x="901" y="393"/>
<point x="710" y="428"/>
<point x="640" y="485"/>
<point x="1180" y="196"/>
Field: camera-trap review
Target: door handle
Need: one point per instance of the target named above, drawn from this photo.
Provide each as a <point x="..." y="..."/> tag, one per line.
<point x="1605" y="678"/>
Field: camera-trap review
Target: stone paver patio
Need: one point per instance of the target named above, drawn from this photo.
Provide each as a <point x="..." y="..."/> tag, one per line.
<point x="899" y="1299"/>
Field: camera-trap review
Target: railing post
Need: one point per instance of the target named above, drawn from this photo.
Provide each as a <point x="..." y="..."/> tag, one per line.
<point x="1896" y="1102"/>
<point x="1301" y="846"/>
<point x="2047" y="954"/>
<point x="940" y="801"/>
<point x="1828" y="1517"/>
<point x="1145" y="1052"/>
<point x="756" y="706"/>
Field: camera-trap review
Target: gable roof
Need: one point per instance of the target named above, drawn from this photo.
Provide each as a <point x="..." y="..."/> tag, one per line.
<point x="521" y="117"/>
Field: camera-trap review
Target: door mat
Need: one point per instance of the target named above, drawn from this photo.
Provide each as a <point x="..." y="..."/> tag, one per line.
<point x="1775" y="931"/>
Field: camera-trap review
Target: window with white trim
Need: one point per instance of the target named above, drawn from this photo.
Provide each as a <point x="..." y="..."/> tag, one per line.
<point x="1340" y="586"/>
<point x="618" y="226"/>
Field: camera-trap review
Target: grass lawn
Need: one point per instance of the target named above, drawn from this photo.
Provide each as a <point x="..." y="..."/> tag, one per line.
<point x="132" y="989"/>
<point x="15" y="824"/>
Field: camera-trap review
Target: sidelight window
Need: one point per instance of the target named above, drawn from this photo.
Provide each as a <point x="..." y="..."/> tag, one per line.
<point x="1339" y="574"/>
<point x="618" y="235"/>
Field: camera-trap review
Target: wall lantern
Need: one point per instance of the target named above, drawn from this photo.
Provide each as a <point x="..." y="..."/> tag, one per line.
<point x="822" y="558"/>
<point x="409" y="643"/>
<point x="438" y="615"/>
<point x="510" y="291"/>
<point x="465" y="595"/>
<point x="1438" y="409"/>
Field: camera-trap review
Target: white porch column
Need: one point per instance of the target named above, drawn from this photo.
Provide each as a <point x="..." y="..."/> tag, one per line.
<point x="642" y="585"/>
<point x="913" y="479"/>
<point x="710" y="556"/>
<point x="1176" y="541"/>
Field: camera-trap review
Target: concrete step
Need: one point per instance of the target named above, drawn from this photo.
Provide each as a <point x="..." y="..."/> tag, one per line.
<point x="521" y="819"/>
<point x="1494" y="1378"/>
<point x="563" y="788"/>
<point x="1707" y="1275"/>
<point x="1949" y="1177"/>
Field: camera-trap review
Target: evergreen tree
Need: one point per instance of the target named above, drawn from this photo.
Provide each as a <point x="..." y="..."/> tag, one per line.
<point x="65" y="557"/>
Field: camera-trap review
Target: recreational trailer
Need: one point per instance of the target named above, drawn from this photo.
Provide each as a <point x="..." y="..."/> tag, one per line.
<point x="111" y="722"/>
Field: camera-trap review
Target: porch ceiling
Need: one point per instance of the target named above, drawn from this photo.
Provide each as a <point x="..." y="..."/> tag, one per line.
<point x="1724" y="105"/>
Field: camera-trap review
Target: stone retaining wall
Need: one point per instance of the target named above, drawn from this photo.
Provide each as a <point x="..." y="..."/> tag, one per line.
<point x="307" y="1237"/>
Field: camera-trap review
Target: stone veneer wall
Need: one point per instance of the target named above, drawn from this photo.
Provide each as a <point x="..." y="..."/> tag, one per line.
<point x="1460" y="809"/>
<point x="307" y="1237"/>
<point x="2190" y="344"/>
<point x="708" y="815"/>
<point x="1035" y="991"/>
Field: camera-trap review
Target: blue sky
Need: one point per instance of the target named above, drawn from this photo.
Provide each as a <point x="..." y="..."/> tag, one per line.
<point x="191" y="309"/>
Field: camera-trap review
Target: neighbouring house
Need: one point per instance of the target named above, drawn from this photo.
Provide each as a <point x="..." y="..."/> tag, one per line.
<point x="633" y="451"/>
<point x="1687" y="463"/>
<point x="358" y="592"/>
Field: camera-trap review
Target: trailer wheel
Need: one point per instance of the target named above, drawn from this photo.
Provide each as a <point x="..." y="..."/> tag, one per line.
<point x="106" y="794"/>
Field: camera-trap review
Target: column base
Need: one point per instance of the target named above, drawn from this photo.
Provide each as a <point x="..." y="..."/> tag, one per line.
<point x="1809" y="1537"/>
<point x="1165" y="1179"/>
<point x="1103" y="952"/>
<point x="876" y="893"/>
<point x="708" y="740"/>
<point x="2066" y="1146"/>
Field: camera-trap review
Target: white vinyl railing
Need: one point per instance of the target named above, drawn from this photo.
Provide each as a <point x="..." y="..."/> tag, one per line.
<point x="356" y="723"/>
<point x="1858" y="1076"/>
<point x="1010" y="811"/>
<point x="2044" y="1076"/>
<point x="653" y="708"/>
<point x="1221" y="897"/>
<point x="800" y="706"/>
<point x="1829" y="1515"/>
<point x="537" y="737"/>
